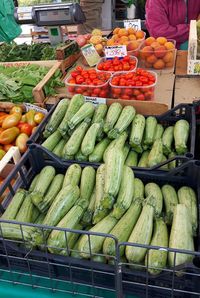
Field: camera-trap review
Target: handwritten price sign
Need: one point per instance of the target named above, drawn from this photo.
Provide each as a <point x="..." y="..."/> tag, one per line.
<point x="90" y="54"/>
<point x="115" y="51"/>
<point x="135" y="24"/>
<point x="95" y="100"/>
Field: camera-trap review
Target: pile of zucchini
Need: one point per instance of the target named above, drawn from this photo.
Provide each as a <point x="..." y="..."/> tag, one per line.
<point x="108" y="200"/>
<point x="79" y="131"/>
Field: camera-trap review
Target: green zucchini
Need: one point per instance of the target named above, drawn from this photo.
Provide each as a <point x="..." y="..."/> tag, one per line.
<point x="122" y="229"/>
<point x="87" y="183"/>
<point x="99" y="258"/>
<point x="15" y="205"/>
<point x="75" y="103"/>
<point x="96" y="242"/>
<point x="143" y="162"/>
<point x="125" y="195"/>
<point x="156" y="259"/>
<point x="124" y="120"/>
<point x="33" y="184"/>
<point x="100" y="113"/>
<point x="159" y="132"/>
<point x="16" y="232"/>
<point x="132" y="159"/>
<point x="73" y="144"/>
<point x="141" y="234"/>
<point x="51" y="142"/>
<point x="35" y="214"/>
<point x="51" y="194"/>
<point x="156" y="154"/>
<point x="57" y="116"/>
<point x="138" y="189"/>
<point x="137" y="132"/>
<point x="187" y="196"/>
<point x="99" y="149"/>
<point x="172" y="164"/>
<point x="154" y="197"/>
<point x="167" y="139"/>
<point x="59" y="147"/>
<point x="73" y="175"/>
<point x="80" y="156"/>
<point x="181" y="236"/>
<point x="89" y="140"/>
<point x="164" y="167"/>
<point x="87" y="216"/>
<point x="39" y="220"/>
<point x="26" y="210"/>
<point x="86" y="111"/>
<point x="125" y="151"/>
<point x="181" y="134"/>
<point x="150" y="130"/>
<point x="112" y="116"/>
<point x="170" y="201"/>
<point x="116" y="144"/>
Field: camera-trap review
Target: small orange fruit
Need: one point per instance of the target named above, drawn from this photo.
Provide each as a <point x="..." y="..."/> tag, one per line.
<point x="161" y="40"/>
<point x="169" y="45"/>
<point x="159" y="64"/>
<point x="151" y="59"/>
<point x="122" y="32"/>
<point x="168" y="57"/>
<point x="140" y="34"/>
<point x="116" y="30"/>
<point x="131" y="31"/>
<point x="132" y="37"/>
<point x="160" y="52"/>
<point x="149" y="41"/>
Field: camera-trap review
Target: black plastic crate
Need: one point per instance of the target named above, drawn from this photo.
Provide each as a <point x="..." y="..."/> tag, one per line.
<point x="119" y="277"/>
<point x="182" y="111"/>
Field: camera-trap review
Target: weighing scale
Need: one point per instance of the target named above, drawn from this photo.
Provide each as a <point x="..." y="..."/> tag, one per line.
<point x="52" y="16"/>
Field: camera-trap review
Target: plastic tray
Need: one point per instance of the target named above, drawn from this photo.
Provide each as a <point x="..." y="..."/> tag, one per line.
<point x="182" y="111"/>
<point x="119" y="277"/>
<point x="111" y="72"/>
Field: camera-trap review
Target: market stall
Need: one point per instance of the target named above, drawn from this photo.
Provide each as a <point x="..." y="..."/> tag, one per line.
<point x="99" y="193"/>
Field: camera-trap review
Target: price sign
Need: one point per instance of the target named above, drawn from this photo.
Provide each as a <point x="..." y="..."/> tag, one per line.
<point x="24" y="13"/>
<point x="29" y="106"/>
<point x="135" y="24"/>
<point x="95" y="100"/>
<point x="90" y="54"/>
<point x="115" y="51"/>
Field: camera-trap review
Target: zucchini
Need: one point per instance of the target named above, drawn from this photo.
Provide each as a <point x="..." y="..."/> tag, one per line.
<point x="167" y="139"/>
<point x="73" y="175"/>
<point x="143" y="162"/>
<point x="87" y="217"/>
<point x="181" y="236"/>
<point x="15" y="205"/>
<point x="59" y="147"/>
<point x="26" y="210"/>
<point x="99" y="149"/>
<point x="86" y="111"/>
<point x="170" y="201"/>
<point x="51" y="142"/>
<point x="57" y="116"/>
<point x="117" y="144"/>
<point x="99" y="258"/>
<point x="122" y="229"/>
<point x="125" y="151"/>
<point x="154" y="197"/>
<point x="159" y="132"/>
<point x="39" y="220"/>
<point x="87" y="183"/>
<point x="33" y="184"/>
<point x="138" y="189"/>
<point x="137" y="132"/>
<point x="73" y="144"/>
<point x="75" y="103"/>
<point x="113" y="175"/>
<point x="87" y="248"/>
<point x="35" y="214"/>
<point x="187" y="196"/>
<point x="141" y="234"/>
<point x="80" y="156"/>
<point x="156" y="259"/>
<point x="16" y="232"/>
<point x="156" y="154"/>
<point x="172" y="164"/>
<point x="150" y="130"/>
<point x="89" y="140"/>
<point x="74" y="251"/>
<point x="164" y="167"/>
<point x="100" y="113"/>
<point x="44" y="180"/>
<point x="60" y="242"/>
<point x="51" y="194"/>
<point x="181" y="134"/>
<point x="99" y="211"/>
<point x="112" y="116"/>
<point x="123" y="122"/>
<point x="132" y="159"/>
<point x="125" y="195"/>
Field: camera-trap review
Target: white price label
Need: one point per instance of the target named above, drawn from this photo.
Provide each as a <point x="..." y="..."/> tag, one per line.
<point x="24" y="13"/>
<point x="95" y="100"/>
<point x="30" y="106"/>
<point x="115" y="51"/>
<point x="135" y="24"/>
<point x="90" y="54"/>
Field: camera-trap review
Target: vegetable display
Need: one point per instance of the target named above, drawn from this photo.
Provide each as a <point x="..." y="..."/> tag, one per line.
<point x="126" y="63"/>
<point x="86" y="133"/>
<point x="17" y="82"/>
<point x="107" y="200"/>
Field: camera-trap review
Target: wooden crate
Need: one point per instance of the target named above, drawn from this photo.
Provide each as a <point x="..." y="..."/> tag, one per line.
<point x="193" y="63"/>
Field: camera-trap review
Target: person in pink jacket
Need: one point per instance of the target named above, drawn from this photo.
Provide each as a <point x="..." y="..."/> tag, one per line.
<point x="171" y="18"/>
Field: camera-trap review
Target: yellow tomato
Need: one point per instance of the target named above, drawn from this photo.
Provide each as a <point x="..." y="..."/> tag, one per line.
<point x="16" y="109"/>
<point x="38" y="117"/>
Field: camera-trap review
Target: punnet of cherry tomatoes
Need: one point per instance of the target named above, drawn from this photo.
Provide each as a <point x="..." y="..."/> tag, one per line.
<point x="138" y="85"/>
<point x="127" y="63"/>
<point x="88" y="82"/>
<point x="16" y="127"/>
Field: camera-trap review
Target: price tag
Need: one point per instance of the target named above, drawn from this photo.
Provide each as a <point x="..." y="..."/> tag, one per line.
<point x="115" y="51"/>
<point x="24" y="13"/>
<point x="135" y="24"/>
<point x="95" y="100"/>
<point x="90" y="54"/>
<point x="29" y="106"/>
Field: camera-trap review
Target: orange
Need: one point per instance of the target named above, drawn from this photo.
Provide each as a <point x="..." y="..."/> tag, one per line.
<point x="133" y="45"/>
<point x="148" y="65"/>
<point x="155" y="45"/>
<point x="139" y="34"/>
<point x="149" y="41"/>
<point x="169" y="45"/>
<point x="159" y="64"/>
<point x="122" y="32"/>
<point x="161" y="40"/>
<point x="131" y="31"/>
<point x="169" y="64"/>
<point x="146" y="51"/>
<point x="132" y="37"/>
<point x="160" y="52"/>
<point x="168" y="57"/>
<point x="151" y="59"/>
<point x="116" y="30"/>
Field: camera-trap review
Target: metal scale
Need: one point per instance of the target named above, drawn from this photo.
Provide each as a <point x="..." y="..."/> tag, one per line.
<point x="52" y="16"/>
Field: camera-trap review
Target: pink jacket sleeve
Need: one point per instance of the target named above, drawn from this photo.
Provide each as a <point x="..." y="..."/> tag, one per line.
<point x="158" y="23"/>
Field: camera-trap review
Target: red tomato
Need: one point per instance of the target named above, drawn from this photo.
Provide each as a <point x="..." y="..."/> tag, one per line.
<point x="79" y="79"/>
<point x="103" y="93"/>
<point x="140" y="97"/>
<point x="74" y="74"/>
<point x="26" y="128"/>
